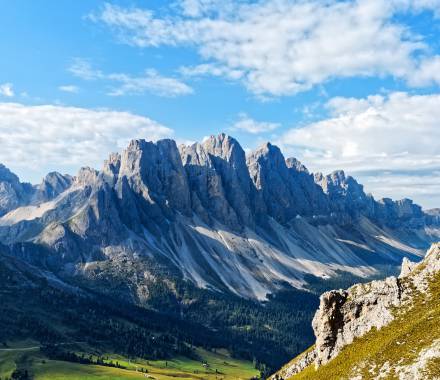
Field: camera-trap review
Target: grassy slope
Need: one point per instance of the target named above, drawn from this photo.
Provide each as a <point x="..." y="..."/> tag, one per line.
<point x="399" y="342"/>
<point x="184" y="368"/>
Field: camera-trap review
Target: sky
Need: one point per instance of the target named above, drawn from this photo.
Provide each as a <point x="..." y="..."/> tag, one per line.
<point x="350" y="85"/>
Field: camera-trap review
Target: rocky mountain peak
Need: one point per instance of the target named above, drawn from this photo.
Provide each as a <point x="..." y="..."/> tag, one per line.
<point x="263" y="162"/>
<point x="219" y="180"/>
<point x="51" y="186"/>
<point x="345" y="194"/>
<point x="155" y="172"/>
<point x="226" y="148"/>
<point x="111" y="167"/>
<point x="7" y="176"/>
<point x="279" y="190"/>
<point x="293" y="163"/>
<point x="86" y="176"/>
<point x="13" y="193"/>
<point x="268" y="153"/>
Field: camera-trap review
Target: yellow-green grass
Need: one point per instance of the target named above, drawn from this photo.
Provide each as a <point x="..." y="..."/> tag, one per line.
<point x="12" y="355"/>
<point x="398" y="343"/>
<point x="295" y="360"/>
<point x="60" y="370"/>
<point x="177" y="368"/>
<point x="182" y="367"/>
<point x="7" y="364"/>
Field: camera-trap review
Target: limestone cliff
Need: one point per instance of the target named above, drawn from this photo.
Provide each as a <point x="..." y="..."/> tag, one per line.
<point x="346" y="315"/>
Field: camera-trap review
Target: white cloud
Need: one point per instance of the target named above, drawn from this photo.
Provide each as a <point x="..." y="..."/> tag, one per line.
<point x="6" y="89"/>
<point x="83" y="69"/>
<point x="35" y="139"/>
<point x="247" y="124"/>
<point x="427" y="74"/>
<point x="280" y="47"/>
<point x="197" y="8"/>
<point x="69" y="88"/>
<point x="210" y="69"/>
<point x="394" y="133"/>
<point x="151" y="81"/>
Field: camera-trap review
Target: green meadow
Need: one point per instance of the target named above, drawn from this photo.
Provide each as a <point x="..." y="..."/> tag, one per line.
<point x="208" y="365"/>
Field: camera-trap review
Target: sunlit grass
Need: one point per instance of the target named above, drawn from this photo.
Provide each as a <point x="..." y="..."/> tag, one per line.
<point x="400" y="343"/>
<point x="209" y="366"/>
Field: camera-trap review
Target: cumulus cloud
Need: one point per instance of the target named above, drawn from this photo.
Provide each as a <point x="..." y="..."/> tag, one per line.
<point x="151" y="81"/>
<point x="6" y="89"/>
<point x="427" y="74"/>
<point x="395" y="133"/>
<point x="247" y="124"/>
<point x="197" y="8"/>
<point x="69" y="88"/>
<point x="83" y="69"/>
<point x="281" y="47"/>
<point x="49" y="137"/>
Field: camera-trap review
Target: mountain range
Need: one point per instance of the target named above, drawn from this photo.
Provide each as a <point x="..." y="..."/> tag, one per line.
<point x="159" y="219"/>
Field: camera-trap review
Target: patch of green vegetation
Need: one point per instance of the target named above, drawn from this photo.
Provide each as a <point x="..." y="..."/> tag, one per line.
<point x="208" y="365"/>
<point x="7" y="364"/>
<point x="59" y="370"/>
<point x="175" y="317"/>
<point x="400" y="343"/>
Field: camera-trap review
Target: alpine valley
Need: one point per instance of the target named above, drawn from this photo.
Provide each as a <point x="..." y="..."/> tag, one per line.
<point x="187" y="251"/>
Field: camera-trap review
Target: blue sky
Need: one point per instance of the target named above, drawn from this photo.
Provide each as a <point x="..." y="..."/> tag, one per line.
<point x="338" y="84"/>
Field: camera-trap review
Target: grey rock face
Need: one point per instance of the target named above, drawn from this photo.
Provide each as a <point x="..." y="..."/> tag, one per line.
<point x="407" y="267"/>
<point x="284" y="187"/>
<point x="344" y="315"/>
<point x="13" y="193"/>
<point x="229" y="160"/>
<point x="394" y="213"/>
<point x="307" y="191"/>
<point x="345" y="194"/>
<point x="270" y="175"/>
<point x="219" y="181"/>
<point x="110" y="170"/>
<point x="52" y="185"/>
<point x="155" y="172"/>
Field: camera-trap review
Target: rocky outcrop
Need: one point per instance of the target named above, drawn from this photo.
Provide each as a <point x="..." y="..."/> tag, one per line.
<point x="344" y="315"/>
